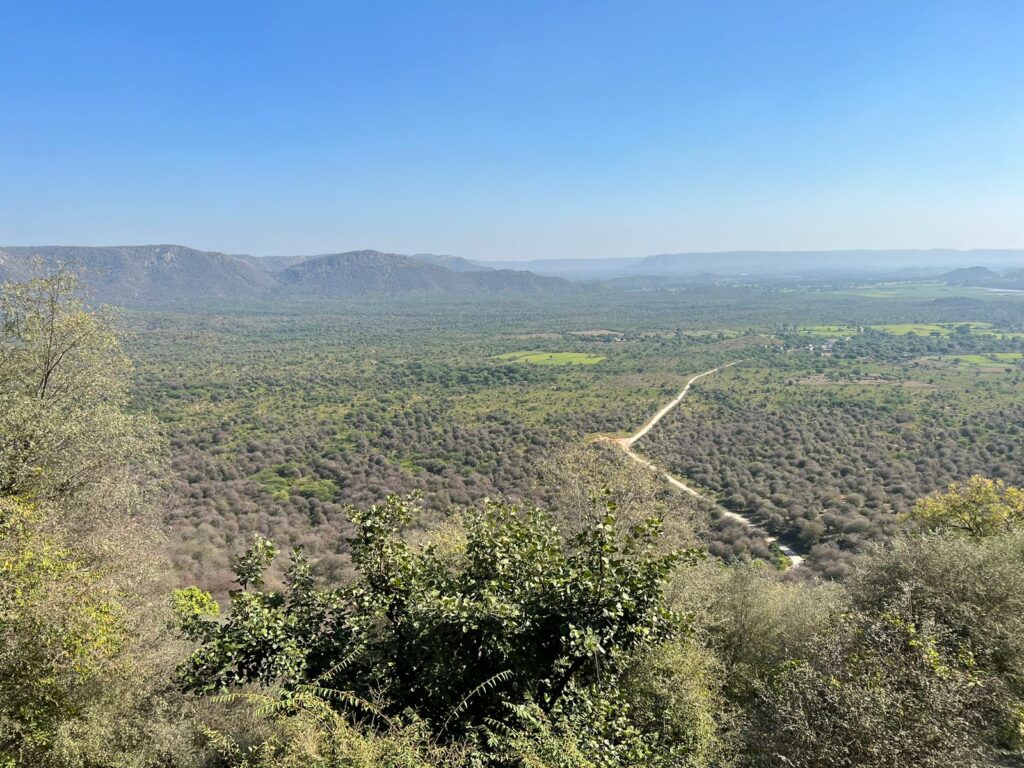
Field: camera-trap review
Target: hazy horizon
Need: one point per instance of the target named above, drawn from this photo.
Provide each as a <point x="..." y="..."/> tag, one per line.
<point x="731" y="260"/>
<point x="638" y="256"/>
<point x="513" y="133"/>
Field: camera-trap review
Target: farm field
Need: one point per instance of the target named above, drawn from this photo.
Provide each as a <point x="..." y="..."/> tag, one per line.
<point x="915" y="291"/>
<point x="551" y="358"/>
<point x="903" y="329"/>
<point x="991" y="361"/>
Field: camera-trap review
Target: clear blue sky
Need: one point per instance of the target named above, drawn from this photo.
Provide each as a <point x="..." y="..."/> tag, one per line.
<point x="513" y="130"/>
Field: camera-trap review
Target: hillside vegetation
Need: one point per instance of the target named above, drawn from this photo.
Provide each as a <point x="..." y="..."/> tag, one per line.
<point x="574" y="619"/>
<point x="172" y="274"/>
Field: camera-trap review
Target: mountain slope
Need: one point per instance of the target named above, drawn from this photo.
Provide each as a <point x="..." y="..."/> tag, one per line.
<point x="273" y="264"/>
<point x="174" y="274"/>
<point x="372" y="272"/>
<point x="147" y="274"/>
<point x="454" y="263"/>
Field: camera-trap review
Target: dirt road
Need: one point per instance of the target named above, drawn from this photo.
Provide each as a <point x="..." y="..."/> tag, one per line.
<point x="626" y="443"/>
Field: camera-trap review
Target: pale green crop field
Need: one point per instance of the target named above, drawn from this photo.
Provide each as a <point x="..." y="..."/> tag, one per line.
<point x="551" y="358"/>
<point x="990" y="360"/>
<point x="912" y="291"/>
<point x="920" y="329"/>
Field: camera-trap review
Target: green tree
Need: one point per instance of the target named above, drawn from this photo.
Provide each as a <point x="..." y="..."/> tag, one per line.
<point x="877" y="692"/>
<point x="972" y="591"/>
<point x="65" y="433"/>
<point x="753" y="620"/>
<point x="511" y="628"/>
<point x="675" y="690"/>
<point x="85" y="646"/>
<point x="978" y="507"/>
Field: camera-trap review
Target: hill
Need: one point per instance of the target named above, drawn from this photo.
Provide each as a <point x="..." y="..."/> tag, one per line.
<point x="1012" y="279"/>
<point x="372" y="272"/>
<point x="173" y="274"/>
<point x="969" y="276"/>
<point x="454" y="263"/>
<point x="147" y="274"/>
<point x="911" y="264"/>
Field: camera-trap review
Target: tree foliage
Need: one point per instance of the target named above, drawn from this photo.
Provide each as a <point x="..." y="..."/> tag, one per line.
<point x="512" y="616"/>
<point x="85" y="646"/>
<point x="977" y="507"/>
<point x="876" y="692"/>
<point x="65" y="435"/>
<point x="484" y="634"/>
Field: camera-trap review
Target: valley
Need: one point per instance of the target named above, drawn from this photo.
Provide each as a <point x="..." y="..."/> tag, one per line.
<point x="829" y="415"/>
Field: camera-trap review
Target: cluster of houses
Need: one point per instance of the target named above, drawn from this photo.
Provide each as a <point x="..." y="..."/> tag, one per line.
<point x="826" y="349"/>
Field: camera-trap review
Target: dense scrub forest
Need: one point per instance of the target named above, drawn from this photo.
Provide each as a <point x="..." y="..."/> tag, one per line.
<point x="831" y="456"/>
<point x="844" y="408"/>
<point x="362" y="536"/>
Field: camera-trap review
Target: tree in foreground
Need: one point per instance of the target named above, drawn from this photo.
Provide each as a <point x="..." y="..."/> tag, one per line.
<point x="499" y="636"/>
<point x="84" y="647"/>
<point x="978" y="507"/>
<point x="877" y="692"/>
<point x="924" y="665"/>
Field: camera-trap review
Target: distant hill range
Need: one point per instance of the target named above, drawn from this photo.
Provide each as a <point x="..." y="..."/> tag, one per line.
<point x="454" y="263"/>
<point x="145" y="274"/>
<point x="371" y="272"/>
<point x="171" y="274"/>
<point x="174" y="274"/>
<point x="920" y="263"/>
<point x="983" y="277"/>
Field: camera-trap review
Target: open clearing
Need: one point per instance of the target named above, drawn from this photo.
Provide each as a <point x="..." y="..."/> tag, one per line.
<point x="904" y="329"/>
<point x="551" y="358"/>
<point x="921" y="291"/>
<point x="991" y="360"/>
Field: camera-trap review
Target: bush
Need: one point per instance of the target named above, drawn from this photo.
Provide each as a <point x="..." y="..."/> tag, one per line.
<point x="469" y="633"/>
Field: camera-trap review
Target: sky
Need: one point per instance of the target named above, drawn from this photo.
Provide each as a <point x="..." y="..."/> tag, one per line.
<point x="513" y="130"/>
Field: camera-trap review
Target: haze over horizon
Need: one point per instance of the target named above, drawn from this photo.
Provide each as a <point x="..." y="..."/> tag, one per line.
<point x="514" y="133"/>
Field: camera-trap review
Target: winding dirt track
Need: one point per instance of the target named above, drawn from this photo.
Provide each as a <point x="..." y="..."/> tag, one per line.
<point x="626" y="443"/>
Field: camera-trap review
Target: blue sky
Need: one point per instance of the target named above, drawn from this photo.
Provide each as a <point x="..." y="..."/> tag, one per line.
<point x="513" y="130"/>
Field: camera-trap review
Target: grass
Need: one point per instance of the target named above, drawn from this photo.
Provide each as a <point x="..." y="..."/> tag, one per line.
<point x="904" y="329"/>
<point x="919" y="329"/>
<point x="921" y="291"/>
<point x="552" y="358"/>
<point x="990" y="360"/>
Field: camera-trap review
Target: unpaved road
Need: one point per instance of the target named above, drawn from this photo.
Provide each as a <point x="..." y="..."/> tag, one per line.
<point x="626" y="443"/>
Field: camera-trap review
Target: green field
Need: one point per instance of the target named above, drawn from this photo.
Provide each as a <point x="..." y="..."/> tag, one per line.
<point x="992" y="360"/>
<point x="919" y="329"/>
<point x="912" y="291"/>
<point x="928" y="329"/>
<point x="551" y="358"/>
<point x="904" y="329"/>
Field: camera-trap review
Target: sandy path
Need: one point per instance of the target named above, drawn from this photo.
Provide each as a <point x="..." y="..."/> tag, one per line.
<point x="626" y="443"/>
